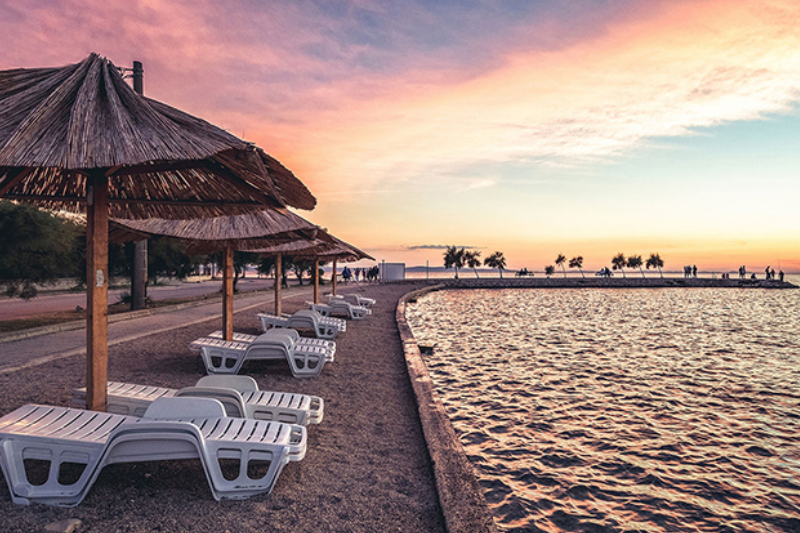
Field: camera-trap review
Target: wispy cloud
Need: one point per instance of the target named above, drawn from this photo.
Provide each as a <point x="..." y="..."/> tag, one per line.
<point x="481" y="183"/>
<point x="439" y="247"/>
<point x="698" y="64"/>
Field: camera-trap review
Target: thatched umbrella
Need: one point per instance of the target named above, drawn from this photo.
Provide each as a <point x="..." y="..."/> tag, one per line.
<point x="325" y="246"/>
<point x="79" y="138"/>
<point x="226" y="234"/>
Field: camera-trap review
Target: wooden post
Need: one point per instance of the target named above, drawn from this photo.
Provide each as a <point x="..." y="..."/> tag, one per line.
<point x="139" y="270"/>
<point x="227" y="293"/>
<point x="97" y="291"/>
<point x="334" y="276"/>
<point x="278" y="281"/>
<point x="316" y="280"/>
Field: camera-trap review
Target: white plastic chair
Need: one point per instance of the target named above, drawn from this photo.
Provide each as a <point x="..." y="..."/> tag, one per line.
<point x="238" y="394"/>
<point x="306" y="319"/>
<point x="228" y="357"/>
<point x="77" y="444"/>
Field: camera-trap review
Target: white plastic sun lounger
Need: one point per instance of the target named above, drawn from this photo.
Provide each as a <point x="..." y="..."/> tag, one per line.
<point x="227" y="357"/>
<point x="323" y="327"/>
<point x="341" y="307"/>
<point x="239" y="395"/>
<point x="354" y="299"/>
<point x="304" y="343"/>
<point x="241" y="457"/>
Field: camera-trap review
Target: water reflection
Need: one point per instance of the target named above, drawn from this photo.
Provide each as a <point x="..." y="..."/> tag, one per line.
<point x="634" y="410"/>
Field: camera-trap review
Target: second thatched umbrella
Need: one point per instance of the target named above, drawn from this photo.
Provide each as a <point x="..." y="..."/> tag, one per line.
<point x="79" y="138"/>
<point x="225" y="234"/>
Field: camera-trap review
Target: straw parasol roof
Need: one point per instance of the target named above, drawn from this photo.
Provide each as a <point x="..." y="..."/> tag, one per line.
<point x="240" y="232"/>
<point x="56" y="124"/>
<point x="78" y="138"/>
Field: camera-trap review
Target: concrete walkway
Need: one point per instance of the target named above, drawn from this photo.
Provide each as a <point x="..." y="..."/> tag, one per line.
<point x="24" y="353"/>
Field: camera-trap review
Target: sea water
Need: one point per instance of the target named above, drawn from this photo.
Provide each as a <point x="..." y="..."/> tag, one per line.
<point x="624" y="409"/>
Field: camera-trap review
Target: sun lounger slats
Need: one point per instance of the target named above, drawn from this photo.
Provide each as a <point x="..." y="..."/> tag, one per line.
<point x="341" y="307"/>
<point x="228" y="357"/>
<point x="307" y="319"/>
<point x="304" y="343"/>
<point x="354" y="299"/>
<point x="169" y="430"/>
<point x="286" y="407"/>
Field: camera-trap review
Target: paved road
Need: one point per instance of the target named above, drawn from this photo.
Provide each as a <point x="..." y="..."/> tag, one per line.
<point x="19" y="354"/>
<point x="11" y="308"/>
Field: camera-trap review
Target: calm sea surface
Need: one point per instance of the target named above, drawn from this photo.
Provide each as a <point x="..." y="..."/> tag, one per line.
<point x="624" y="410"/>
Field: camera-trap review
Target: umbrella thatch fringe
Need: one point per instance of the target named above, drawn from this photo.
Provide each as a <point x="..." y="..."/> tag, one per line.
<point x="261" y="229"/>
<point x="324" y="246"/>
<point x="57" y="124"/>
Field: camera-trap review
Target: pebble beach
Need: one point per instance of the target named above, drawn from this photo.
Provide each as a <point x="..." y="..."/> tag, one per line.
<point x="367" y="467"/>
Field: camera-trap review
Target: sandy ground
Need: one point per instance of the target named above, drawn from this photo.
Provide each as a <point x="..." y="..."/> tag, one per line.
<point x="367" y="466"/>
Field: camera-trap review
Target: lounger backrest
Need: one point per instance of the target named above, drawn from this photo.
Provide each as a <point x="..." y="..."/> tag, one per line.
<point x="184" y="408"/>
<point x="230" y="399"/>
<point x="238" y="383"/>
<point x="286" y="333"/>
<point x="310" y="313"/>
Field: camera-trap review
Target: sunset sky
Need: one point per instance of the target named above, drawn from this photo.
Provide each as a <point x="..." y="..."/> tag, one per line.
<point x="582" y="127"/>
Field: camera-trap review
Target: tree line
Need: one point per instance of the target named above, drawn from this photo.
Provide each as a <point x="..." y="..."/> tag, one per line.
<point x="457" y="258"/>
<point x="460" y="257"/>
<point x="40" y="247"/>
<point x="618" y="262"/>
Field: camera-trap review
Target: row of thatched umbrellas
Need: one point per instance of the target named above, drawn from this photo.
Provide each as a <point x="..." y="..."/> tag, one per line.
<point x="79" y="139"/>
<point x="275" y="232"/>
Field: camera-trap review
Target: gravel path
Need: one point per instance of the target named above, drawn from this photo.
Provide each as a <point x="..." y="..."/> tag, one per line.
<point x="367" y="466"/>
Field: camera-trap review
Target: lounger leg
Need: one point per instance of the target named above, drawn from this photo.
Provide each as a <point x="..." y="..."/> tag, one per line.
<point x="60" y="487"/>
<point x="306" y="365"/>
<point x="230" y="361"/>
<point x="248" y="469"/>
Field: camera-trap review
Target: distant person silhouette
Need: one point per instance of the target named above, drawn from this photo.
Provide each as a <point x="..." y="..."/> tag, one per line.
<point x="780" y="275"/>
<point x="767" y="271"/>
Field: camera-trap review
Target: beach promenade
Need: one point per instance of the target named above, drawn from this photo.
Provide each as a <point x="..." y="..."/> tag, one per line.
<point x="367" y="466"/>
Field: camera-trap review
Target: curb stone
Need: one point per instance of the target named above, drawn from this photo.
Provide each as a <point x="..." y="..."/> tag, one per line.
<point x="460" y="495"/>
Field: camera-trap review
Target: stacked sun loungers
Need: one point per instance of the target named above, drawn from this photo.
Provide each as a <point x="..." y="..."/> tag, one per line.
<point x="303" y="342"/>
<point x="241" y="457"/>
<point x="322" y="327"/>
<point x="354" y="299"/>
<point x="227" y="357"/>
<point x="238" y="394"/>
<point x="341" y="307"/>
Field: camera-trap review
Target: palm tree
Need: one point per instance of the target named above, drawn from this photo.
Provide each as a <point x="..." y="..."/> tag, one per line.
<point x="471" y="259"/>
<point x="618" y="263"/>
<point x="560" y="260"/>
<point x="635" y="261"/>
<point x="577" y="262"/>
<point x="454" y="258"/>
<point x="549" y="270"/>
<point x="496" y="260"/>
<point x="655" y="261"/>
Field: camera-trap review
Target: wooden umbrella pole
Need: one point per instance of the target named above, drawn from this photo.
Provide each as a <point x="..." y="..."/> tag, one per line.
<point x="227" y="293"/>
<point x="97" y="292"/>
<point x="334" y="276"/>
<point x="278" y="280"/>
<point x="316" y="280"/>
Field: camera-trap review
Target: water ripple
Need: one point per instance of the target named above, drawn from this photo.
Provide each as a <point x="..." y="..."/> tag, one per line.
<point x="624" y="410"/>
